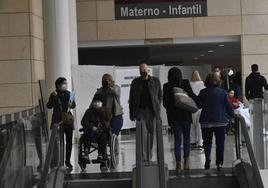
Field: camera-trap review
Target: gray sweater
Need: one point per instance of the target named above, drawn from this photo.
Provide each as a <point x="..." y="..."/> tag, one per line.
<point x="111" y="98"/>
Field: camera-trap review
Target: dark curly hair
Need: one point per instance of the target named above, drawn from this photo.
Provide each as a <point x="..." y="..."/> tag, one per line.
<point x="59" y="82"/>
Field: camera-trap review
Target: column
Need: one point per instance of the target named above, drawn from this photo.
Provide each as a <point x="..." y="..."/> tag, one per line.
<point x="60" y="35"/>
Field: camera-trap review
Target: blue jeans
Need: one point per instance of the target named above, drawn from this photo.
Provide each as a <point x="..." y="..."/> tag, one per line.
<point x="117" y="124"/>
<point x="179" y="129"/>
<point x="207" y="135"/>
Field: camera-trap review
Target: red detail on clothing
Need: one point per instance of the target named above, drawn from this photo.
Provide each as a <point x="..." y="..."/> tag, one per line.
<point x="234" y="101"/>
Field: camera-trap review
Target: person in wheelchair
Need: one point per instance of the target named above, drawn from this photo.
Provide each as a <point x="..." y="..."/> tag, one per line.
<point x="96" y="128"/>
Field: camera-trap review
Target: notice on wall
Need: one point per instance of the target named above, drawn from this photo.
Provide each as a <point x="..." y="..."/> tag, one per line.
<point x="146" y="9"/>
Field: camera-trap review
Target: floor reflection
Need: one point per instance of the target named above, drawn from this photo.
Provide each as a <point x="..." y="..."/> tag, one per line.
<point x="127" y="155"/>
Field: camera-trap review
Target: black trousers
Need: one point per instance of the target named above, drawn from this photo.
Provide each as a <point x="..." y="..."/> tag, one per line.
<point x="102" y="143"/>
<point x="68" y="132"/>
<point x="207" y="135"/>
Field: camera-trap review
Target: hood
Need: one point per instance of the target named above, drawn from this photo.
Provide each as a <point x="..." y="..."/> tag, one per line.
<point x="254" y="74"/>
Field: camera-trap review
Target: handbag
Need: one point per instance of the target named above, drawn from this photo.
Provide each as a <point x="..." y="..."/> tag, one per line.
<point x="183" y="101"/>
<point x="66" y="117"/>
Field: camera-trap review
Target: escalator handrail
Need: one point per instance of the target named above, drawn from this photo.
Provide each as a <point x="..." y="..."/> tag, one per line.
<point x="253" y="160"/>
<point x="8" y="150"/>
<point x="52" y="142"/>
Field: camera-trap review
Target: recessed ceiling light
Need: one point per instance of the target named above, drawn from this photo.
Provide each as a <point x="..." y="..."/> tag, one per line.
<point x="210" y="51"/>
<point x="202" y="55"/>
<point x="195" y="58"/>
<point x="221" y="45"/>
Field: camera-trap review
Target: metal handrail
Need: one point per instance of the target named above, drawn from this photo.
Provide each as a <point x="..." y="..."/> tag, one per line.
<point x="7" y="153"/>
<point x="55" y="136"/>
<point x="139" y="159"/>
<point x="160" y="154"/>
<point x="253" y="160"/>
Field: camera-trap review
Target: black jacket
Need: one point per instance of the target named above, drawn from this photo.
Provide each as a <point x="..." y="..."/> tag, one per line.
<point x="135" y="96"/>
<point x="175" y="114"/>
<point x="254" y="86"/>
<point x="54" y="103"/>
<point x="93" y="116"/>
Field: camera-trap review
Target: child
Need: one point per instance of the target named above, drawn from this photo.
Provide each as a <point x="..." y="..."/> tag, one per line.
<point x="234" y="101"/>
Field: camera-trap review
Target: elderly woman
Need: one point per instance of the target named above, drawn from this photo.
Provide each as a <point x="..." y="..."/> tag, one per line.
<point x="214" y="118"/>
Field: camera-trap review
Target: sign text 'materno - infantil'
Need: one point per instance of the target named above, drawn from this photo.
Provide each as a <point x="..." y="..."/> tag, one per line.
<point x="144" y="9"/>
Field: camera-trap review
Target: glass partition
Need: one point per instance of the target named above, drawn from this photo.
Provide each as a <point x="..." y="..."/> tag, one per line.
<point x="23" y="147"/>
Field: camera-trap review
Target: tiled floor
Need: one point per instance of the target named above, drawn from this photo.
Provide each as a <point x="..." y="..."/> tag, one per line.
<point x="127" y="155"/>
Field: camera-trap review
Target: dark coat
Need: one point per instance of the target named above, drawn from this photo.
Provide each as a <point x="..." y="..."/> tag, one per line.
<point x="135" y="96"/>
<point x="215" y="105"/>
<point x="254" y="86"/>
<point x="93" y="117"/>
<point x="54" y="103"/>
<point x="175" y="114"/>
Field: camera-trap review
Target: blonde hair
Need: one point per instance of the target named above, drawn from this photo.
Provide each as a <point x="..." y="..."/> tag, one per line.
<point x="196" y="76"/>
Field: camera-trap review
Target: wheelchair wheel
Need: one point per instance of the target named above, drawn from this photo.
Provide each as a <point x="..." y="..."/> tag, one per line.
<point x="114" y="151"/>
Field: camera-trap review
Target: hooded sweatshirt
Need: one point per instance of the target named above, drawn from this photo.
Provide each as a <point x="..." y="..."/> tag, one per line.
<point x="255" y="83"/>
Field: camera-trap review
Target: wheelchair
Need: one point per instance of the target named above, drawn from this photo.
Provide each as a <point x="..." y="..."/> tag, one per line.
<point x="111" y="158"/>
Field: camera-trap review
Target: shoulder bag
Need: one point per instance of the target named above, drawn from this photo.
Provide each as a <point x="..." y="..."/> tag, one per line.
<point x="183" y="101"/>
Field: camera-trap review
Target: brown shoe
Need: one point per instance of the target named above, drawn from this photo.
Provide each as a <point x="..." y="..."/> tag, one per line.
<point x="178" y="167"/>
<point x="186" y="163"/>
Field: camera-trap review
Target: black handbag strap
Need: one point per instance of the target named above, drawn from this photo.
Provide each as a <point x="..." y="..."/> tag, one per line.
<point x="60" y="105"/>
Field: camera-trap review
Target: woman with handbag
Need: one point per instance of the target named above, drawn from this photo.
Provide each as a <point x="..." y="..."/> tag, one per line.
<point x="62" y="101"/>
<point x="110" y="93"/>
<point x="179" y="118"/>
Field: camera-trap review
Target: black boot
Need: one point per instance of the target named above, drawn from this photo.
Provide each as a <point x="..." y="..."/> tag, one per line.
<point x="68" y="164"/>
<point x="207" y="164"/>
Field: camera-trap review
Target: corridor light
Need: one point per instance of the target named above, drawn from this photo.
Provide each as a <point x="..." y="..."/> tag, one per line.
<point x="210" y="51"/>
<point x="195" y="58"/>
<point x="221" y="45"/>
<point x="202" y="55"/>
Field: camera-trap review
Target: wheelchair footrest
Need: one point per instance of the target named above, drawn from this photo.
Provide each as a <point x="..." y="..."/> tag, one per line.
<point x="95" y="161"/>
<point x="84" y="161"/>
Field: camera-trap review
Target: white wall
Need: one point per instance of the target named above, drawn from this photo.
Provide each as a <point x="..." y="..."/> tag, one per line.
<point x="86" y="80"/>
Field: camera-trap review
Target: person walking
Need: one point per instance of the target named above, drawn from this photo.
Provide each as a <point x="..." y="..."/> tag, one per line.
<point x="213" y="119"/>
<point x="196" y="136"/>
<point x="255" y="83"/>
<point x="144" y="105"/>
<point x="179" y="119"/>
<point x="61" y="102"/>
<point x="110" y="94"/>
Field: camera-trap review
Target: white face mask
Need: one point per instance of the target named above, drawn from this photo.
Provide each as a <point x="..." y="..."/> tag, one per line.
<point x="64" y="87"/>
<point x="231" y="72"/>
<point x="218" y="73"/>
<point x="97" y="104"/>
